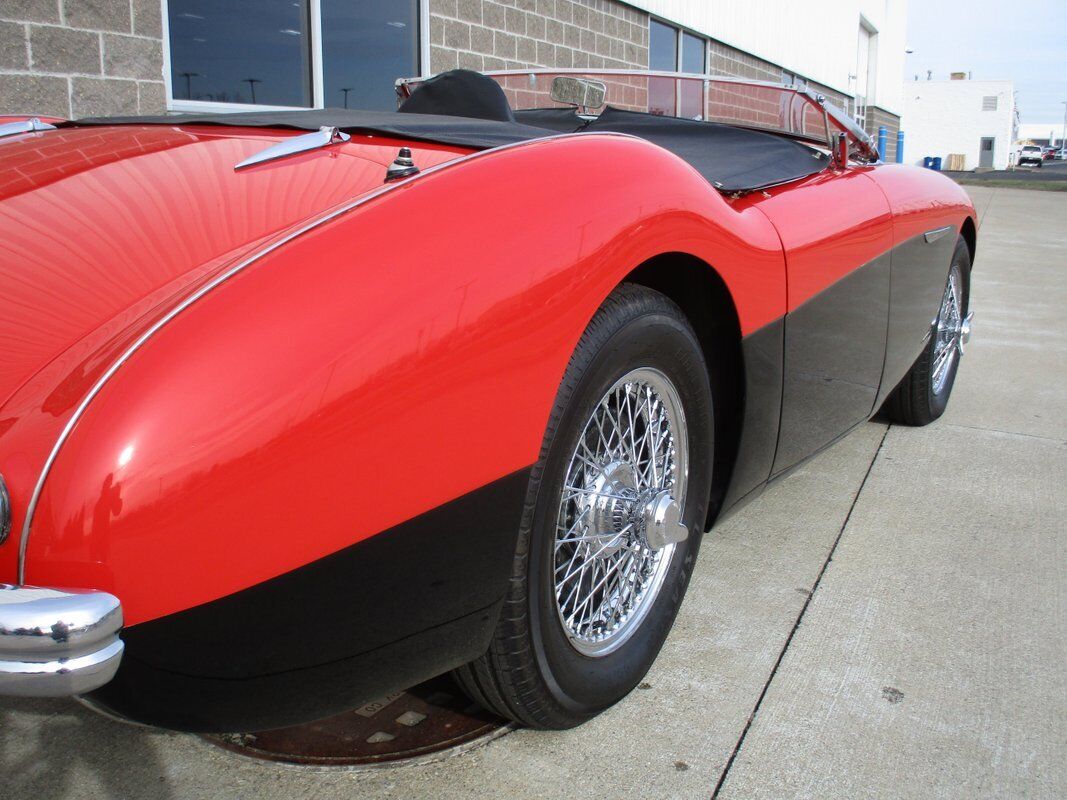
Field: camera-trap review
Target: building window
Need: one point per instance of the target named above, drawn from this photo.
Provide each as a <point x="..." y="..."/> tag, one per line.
<point x="693" y="54"/>
<point x="366" y="46"/>
<point x="240" y="51"/>
<point x="290" y="53"/>
<point x="989" y="103"/>
<point x="670" y="49"/>
<point x="866" y="58"/>
<point x="662" y="47"/>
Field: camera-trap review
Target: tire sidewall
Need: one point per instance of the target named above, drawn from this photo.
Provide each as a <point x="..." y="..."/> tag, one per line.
<point x="582" y="684"/>
<point x="938" y="402"/>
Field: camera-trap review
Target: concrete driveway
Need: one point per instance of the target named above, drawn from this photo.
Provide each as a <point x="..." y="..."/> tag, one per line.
<point x="889" y="621"/>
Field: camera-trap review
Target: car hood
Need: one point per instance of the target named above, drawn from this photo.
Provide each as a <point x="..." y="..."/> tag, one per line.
<point x="100" y="225"/>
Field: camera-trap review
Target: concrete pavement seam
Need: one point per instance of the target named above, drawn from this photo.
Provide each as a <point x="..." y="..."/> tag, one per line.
<point x="1006" y="433"/>
<point x="985" y="210"/>
<point x="796" y="625"/>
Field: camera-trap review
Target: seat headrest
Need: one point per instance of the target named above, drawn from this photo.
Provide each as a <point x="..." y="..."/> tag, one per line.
<point x="460" y="93"/>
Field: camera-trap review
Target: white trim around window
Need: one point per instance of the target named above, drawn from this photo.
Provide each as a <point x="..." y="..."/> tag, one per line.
<point x="317" y="77"/>
<point x="424" y="38"/>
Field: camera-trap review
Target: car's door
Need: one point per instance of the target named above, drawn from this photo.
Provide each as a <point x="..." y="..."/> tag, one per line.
<point x="926" y="224"/>
<point x="837" y="233"/>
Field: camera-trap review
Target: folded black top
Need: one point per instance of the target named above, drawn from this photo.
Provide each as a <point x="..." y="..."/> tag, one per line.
<point x="732" y="159"/>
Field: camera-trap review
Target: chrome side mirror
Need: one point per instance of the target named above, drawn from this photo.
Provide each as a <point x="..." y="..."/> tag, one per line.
<point x="581" y="92"/>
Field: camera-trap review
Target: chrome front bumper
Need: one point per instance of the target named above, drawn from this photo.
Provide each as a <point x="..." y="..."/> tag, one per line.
<point x="56" y="642"/>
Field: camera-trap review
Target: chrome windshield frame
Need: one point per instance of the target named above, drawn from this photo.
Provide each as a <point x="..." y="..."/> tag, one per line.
<point x="864" y="148"/>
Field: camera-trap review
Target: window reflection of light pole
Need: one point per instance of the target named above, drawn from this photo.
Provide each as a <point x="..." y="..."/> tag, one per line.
<point x="252" y="85"/>
<point x="189" y="83"/>
<point x="346" y="91"/>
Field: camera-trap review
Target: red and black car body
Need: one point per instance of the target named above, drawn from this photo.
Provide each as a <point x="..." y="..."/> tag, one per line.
<point x="280" y="419"/>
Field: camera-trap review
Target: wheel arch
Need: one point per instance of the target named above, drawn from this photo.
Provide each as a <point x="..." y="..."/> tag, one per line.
<point x="703" y="296"/>
<point x="969" y="232"/>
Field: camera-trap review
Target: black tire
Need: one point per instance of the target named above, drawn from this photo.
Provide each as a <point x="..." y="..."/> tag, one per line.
<point x="531" y="673"/>
<point x="914" y="401"/>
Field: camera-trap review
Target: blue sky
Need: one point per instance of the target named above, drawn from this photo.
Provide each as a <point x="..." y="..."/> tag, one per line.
<point x="1025" y="42"/>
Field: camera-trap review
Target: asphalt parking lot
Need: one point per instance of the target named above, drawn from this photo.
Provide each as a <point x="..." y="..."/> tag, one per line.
<point x="1050" y="175"/>
<point x="888" y="621"/>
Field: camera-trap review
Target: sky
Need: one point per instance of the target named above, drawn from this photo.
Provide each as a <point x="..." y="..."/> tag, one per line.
<point x="1025" y="42"/>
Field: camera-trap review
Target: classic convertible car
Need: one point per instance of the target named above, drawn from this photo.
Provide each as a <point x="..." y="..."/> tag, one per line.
<point x="301" y="408"/>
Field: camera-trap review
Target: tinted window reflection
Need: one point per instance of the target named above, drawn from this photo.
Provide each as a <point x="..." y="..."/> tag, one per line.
<point x="662" y="47"/>
<point x="692" y="54"/>
<point x="240" y="51"/>
<point x="366" y="46"/>
<point x="691" y="93"/>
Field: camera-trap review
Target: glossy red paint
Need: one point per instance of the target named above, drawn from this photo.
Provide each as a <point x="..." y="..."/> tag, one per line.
<point x="419" y="335"/>
<point x="95" y="220"/>
<point x="377" y="366"/>
<point x="922" y="199"/>
<point x="103" y="230"/>
<point x="830" y="224"/>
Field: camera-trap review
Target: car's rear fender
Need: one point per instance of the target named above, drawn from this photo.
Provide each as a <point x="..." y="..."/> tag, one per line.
<point x="327" y="452"/>
<point x="399" y="356"/>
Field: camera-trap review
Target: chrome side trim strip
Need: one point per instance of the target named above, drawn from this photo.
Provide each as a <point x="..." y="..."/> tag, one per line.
<point x="936" y="233"/>
<point x="24" y="126"/>
<point x="225" y="276"/>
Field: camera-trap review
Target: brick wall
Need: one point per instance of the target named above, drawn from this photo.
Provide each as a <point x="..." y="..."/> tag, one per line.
<point x="491" y="35"/>
<point x="879" y="116"/>
<point x="76" y="58"/>
<point x="726" y="60"/>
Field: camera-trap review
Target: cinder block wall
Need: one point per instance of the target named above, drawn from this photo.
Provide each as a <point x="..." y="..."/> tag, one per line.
<point x="729" y="61"/>
<point x="877" y="117"/>
<point x="76" y="58"/>
<point x="515" y="34"/>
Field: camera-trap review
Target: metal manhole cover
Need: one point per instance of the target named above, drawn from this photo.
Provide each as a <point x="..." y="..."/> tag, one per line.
<point x="425" y="720"/>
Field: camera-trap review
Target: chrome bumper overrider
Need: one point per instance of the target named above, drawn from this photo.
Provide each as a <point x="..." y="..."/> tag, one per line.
<point x="56" y="642"/>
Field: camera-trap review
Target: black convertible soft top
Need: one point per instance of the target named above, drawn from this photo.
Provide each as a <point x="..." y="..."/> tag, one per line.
<point x="470" y="113"/>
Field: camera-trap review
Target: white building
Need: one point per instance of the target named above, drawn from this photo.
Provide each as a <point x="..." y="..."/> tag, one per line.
<point x="972" y="118"/>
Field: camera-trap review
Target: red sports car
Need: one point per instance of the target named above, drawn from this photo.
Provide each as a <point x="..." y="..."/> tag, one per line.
<point x="301" y="408"/>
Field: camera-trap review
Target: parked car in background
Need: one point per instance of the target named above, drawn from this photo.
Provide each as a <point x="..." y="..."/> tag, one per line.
<point x="1030" y="154"/>
<point x="1049" y="154"/>
<point x="301" y="408"/>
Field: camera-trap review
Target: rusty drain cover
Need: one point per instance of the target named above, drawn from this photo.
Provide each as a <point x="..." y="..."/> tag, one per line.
<point x="425" y="720"/>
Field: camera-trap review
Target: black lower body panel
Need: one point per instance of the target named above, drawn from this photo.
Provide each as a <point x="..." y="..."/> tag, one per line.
<point x="761" y="353"/>
<point x="834" y="352"/>
<point x="379" y="616"/>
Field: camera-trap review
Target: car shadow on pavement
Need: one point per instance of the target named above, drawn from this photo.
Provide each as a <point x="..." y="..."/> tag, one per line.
<point x="58" y="748"/>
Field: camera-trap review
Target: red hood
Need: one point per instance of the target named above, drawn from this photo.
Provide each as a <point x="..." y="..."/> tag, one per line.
<point x="96" y="222"/>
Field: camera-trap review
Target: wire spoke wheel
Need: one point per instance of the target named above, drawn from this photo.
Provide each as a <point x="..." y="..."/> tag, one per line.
<point x="949" y="342"/>
<point x="923" y="392"/>
<point x="618" y="522"/>
<point x="613" y="519"/>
